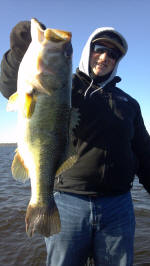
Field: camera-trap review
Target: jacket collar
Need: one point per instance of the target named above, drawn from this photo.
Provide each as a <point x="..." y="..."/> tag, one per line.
<point x="86" y="81"/>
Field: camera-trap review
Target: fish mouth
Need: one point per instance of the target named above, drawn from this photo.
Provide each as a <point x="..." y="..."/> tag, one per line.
<point x="55" y="35"/>
<point x="40" y="25"/>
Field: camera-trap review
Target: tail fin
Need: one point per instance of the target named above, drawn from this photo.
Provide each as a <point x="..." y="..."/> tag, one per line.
<point x="42" y="219"/>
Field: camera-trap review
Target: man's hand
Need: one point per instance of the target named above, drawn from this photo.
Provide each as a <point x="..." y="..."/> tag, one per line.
<point x="20" y="38"/>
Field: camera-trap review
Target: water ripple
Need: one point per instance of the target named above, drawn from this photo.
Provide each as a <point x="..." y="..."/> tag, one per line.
<point x="17" y="249"/>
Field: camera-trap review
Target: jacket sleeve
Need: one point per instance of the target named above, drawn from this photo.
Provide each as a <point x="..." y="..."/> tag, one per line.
<point x="141" y="147"/>
<point x="8" y="74"/>
<point x="20" y="39"/>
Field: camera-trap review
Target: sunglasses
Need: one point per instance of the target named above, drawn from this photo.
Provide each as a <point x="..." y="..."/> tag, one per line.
<point x="111" y="52"/>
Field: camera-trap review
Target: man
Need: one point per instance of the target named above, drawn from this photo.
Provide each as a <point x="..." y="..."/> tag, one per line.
<point x="93" y="197"/>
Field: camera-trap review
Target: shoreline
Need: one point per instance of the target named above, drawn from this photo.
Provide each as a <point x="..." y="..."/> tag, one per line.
<point x="8" y="144"/>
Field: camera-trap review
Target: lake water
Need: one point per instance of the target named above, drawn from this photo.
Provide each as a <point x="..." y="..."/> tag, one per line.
<point x="17" y="249"/>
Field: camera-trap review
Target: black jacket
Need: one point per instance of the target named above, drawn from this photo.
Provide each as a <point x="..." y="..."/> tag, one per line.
<point x="111" y="140"/>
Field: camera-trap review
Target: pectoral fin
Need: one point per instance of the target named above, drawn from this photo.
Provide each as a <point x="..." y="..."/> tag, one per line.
<point x="29" y="105"/>
<point x="19" y="170"/>
<point x="12" y="104"/>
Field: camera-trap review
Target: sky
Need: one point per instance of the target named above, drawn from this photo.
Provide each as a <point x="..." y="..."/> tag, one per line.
<point x="130" y="17"/>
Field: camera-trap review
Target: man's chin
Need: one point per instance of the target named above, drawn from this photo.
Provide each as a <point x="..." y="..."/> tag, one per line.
<point x="100" y="73"/>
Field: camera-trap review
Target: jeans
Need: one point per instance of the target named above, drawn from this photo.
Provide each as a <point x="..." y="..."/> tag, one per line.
<point x="102" y="225"/>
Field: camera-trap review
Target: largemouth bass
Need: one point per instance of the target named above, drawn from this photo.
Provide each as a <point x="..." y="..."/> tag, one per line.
<point x="43" y="102"/>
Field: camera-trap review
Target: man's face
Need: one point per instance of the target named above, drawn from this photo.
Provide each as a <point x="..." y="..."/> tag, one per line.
<point x="100" y="61"/>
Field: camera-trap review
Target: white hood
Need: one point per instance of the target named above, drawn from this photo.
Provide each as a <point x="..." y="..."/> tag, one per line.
<point x="84" y="61"/>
